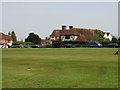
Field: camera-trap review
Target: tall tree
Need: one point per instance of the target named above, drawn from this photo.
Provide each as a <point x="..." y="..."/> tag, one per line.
<point x="9" y="33"/>
<point x="119" y="40"/>
<point x="99" y="35"/>
<point x="114" y="39"/>
<point x="33" y="38"/>
<point x="14" y="37"/>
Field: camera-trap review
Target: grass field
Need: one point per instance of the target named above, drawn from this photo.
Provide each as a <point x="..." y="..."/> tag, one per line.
<point x="60" y="68"/>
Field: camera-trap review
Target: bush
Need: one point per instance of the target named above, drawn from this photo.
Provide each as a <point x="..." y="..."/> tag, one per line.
<point x="47" y="46"/>
<point x="77" y="45"/>
<point x="23" y="43"/>
<point x="56" y="44"/>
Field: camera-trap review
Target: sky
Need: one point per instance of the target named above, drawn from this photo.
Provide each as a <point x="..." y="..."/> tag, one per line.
<point x="43" y="17"/>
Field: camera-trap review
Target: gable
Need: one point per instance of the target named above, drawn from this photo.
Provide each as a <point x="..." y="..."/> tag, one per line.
<point x="5" y="37"/>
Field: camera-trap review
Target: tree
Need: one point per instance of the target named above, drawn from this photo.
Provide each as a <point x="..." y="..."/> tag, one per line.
<point x="119" y="39"/>
<point x="33" y="38"/>
<point x="46" y="38"/>
<point x="99" y="35"/>
<point x="9" y="33"/>
<point x="13" y="35"/>
<point x="114" y="39"/>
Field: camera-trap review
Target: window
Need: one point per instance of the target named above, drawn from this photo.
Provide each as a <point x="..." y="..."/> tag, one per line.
<point x="67" y="37"/>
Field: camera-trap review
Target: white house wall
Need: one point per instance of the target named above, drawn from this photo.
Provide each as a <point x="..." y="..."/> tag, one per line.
<point x="75" y="37"/>
<point x="10" y="44"/>
<point x="108" y="37"/>
<point x="72" y="38"/>
<point x="105" y="35"/>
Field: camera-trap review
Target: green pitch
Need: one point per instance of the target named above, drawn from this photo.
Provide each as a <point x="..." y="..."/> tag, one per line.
<point x="60" y="68"/>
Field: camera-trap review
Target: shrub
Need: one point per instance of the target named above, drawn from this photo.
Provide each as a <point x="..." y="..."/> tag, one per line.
<point x="48" y="46"/>
<point x="56" y="44"/>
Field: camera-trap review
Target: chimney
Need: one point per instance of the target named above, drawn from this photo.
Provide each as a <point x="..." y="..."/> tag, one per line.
<point x="70" y="27"/>
<point x="64" y="27"/>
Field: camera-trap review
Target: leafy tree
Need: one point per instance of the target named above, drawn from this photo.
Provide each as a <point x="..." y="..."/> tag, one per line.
<point x="119" y="39"/>
<point x="99" y="35"/>
<point x="33" y="38"/>
<point x="9" y="33"/>
<point x="106" y="40"/>
<point x="48" y="46"/>
<point x="13" y="35"/>
<point x="114" y="39"/>
<point x="46" y="38"/>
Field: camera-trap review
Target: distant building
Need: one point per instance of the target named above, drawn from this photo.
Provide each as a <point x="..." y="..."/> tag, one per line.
<point x="75" y="34"/>
<point x="5" y="39"/>
<point x="45" y="42"/>
<point x="107" y="35"/>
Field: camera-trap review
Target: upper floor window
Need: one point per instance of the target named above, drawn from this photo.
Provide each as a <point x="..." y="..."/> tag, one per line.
<point x="67" y="37"/>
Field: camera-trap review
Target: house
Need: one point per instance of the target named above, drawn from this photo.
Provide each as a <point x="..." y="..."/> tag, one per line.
<point x="107" y="35"/>
<point x="75" y="34"/>
<point x="5" y="39"/>
<point x="45" y="42"/>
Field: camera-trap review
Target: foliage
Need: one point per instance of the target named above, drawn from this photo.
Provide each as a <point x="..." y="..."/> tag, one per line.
<point x="23" y="43"/>
<point x="67" y="42"/>
<point x="99" y="35"/>
<point x="56" y="44"/>
<point x="2" y="43"/>
<point x="118" y="39"/>
<point x="9" y="33"/>
<point x="47" y="38"/>
<point x="47" y="46"/>
<point x="33" y="38"/>
<point x="77" y="45"/>
<point x="105" y="41"/>
<point x="114" y="39"/>
<point x="14" y="37"/>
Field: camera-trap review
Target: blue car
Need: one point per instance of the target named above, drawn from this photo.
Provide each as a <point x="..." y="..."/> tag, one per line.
<point x="35" y="46"/>
<point x="94" y="44"/>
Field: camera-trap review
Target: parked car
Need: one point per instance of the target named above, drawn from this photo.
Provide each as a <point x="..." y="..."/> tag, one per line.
<point x="68" y="46"/>
<point x="113" y="45"/>
<point x="3" y="46"/>
<point x="35" y="46"/>
<point x="15" y="46"/>
<point x="94" y="44"/>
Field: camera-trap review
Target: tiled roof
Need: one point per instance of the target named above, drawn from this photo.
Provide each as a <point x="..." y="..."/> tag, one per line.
<point x="5" y="37"/>
<point x="45" y="41"/>
<point x="73" y="31"/>
<point x="81" y="38"/>
<point x="69" y="32"/>
<point x="83" y="34"/>
<point x="56" y="33"/>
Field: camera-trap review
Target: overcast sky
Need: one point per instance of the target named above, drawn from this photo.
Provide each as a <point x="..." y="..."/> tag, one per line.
<point x="43" y="17"/>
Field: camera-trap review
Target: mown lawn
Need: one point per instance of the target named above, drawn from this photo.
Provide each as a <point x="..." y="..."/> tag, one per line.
<point x="60" y="68"/>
